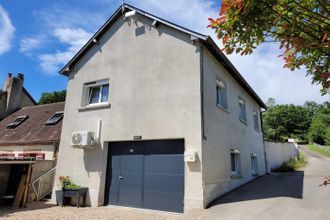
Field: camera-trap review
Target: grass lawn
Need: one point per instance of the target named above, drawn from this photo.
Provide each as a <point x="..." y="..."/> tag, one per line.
<point x="324" y="150"/>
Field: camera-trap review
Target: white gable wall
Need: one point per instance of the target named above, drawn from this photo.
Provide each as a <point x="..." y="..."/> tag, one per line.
<point x="154" y="77"/>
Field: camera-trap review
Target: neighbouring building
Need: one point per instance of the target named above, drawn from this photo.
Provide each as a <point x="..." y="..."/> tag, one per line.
<point x="29" y="141"/>
<point x="157" y="117"/>
<point x="14" y="96"/>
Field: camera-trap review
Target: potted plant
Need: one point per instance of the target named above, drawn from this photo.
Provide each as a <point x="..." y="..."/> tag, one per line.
<point x="69" y="189"/>
<point x="67" y="184"/>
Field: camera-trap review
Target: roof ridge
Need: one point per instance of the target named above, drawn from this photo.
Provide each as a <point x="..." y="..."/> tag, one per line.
<point x="43" y="105"/>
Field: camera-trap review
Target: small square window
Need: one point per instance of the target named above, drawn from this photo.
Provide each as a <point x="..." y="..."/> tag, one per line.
<point x="222" y="94"/>
<point x="19" y="120"/>
<point x="97" y="92"/>
<point x="254" y="164"/>
<point x="242" y="109"/>
<point x="256" y="120"/>
<point x="235" y="163"/>
<point x="54" y="119"/>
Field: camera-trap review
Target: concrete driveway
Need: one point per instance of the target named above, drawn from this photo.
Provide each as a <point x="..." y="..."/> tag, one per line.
<point x="295" y="195"/>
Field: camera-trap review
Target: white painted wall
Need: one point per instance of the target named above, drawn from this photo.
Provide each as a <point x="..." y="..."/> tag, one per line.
<point x="278" y="153"/>
<point x="224" y="131"/>
<point x="154" y="92"/>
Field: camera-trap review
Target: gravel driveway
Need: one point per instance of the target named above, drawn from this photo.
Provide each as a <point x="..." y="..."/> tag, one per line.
<point x="294" y="195"/>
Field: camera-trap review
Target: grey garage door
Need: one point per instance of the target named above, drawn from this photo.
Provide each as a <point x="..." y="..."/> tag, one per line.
<point x="146" y="174"/>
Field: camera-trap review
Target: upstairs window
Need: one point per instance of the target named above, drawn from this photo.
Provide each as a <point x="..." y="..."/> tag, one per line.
<point x="19" y="120"/>
<point x="97" y="92"/>
<point x="54" y="119"/>
<point x="221" y="94"/>
<point x="242" y="109"/>
<point x="256" y="120"/>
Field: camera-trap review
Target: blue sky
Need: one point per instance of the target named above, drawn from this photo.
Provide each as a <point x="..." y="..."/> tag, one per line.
<point x="38" y="37"/>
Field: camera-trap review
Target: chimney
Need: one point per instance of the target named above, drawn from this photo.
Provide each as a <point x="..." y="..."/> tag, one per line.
<point x="14" y="88"/>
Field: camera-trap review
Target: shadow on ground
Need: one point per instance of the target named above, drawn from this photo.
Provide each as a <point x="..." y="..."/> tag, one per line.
<point x="268" y="186"/>
<point x="6" y="211"/>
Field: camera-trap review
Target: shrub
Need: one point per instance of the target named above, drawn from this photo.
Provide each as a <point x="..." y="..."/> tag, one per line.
<point x="293" y="164"/>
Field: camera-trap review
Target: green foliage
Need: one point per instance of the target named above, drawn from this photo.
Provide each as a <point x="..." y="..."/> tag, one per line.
<point x="319" y="131"/>
<point x="324" y="150"/>
<point x="53" y="97"/>
<point x="66" y="183"/>
<point x="302" y="28"/>
<point x="293" y="164"/>
<point x="286" y="121"/>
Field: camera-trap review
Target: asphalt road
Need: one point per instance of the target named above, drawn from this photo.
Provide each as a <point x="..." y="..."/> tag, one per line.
<point x="295" y="195"/>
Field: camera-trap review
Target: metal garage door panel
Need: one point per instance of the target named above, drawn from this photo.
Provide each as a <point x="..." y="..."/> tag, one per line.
<point x="131" y="174"/>
<point x="163" y="201"/>
<point x="164" y="176"/>
<point x="112" y="174"/>
<point x="148" y="174"/>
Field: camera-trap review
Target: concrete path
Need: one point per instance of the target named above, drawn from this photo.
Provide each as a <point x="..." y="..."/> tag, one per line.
<point x="295" y="195"/>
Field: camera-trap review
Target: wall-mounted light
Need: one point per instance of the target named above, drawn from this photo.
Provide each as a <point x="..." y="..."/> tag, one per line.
<point x="130" y="14"/>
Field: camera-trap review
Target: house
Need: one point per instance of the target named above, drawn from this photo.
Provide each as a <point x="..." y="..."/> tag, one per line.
<point x="14" y="96"/>
<point x="157" y="117"/>
<point x="29" y="140"/>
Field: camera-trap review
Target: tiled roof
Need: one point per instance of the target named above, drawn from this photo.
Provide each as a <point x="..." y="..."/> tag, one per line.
<point x="33" y="130"/>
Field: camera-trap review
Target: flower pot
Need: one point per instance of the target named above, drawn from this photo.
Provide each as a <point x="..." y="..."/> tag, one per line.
<point x="59" y="197"/>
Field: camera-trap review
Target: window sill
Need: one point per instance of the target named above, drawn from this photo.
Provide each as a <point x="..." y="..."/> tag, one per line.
<point x="236" y="176"/>
<point x="243" y="121"/>
<point x="222" y="108"/>
<point x="95" y="107"/>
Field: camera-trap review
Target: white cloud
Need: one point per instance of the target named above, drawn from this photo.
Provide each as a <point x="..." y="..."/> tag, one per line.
<point x="28" y="44"/>
<point x="6" y="31"/>
<point x="73" y="38"/>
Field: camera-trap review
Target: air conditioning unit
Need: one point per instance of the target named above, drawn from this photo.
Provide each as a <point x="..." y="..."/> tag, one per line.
<point x="82" y="139"/>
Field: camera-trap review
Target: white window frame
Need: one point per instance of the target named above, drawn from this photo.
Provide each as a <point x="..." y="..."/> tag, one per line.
<point x="237" y="162"/>
<point x="256" y="120"/>
<point x="242" y="109"/>
<point x="254" y="164"/>
<point x="221" y="94"/>
<point x="87" y="92"/>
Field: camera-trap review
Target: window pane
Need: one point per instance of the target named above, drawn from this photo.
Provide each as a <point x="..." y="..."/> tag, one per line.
<point x="233" y="162"/>
<point x="94" y="95"/>
<point x="224" y="97"/>
<point x="105" y="93"/>
<point x="218" y="95"/>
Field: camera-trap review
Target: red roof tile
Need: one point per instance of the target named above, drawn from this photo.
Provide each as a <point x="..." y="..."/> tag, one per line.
<point x="33" y="130"/>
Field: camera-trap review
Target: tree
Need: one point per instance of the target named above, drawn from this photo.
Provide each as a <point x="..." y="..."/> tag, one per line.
<point x="53" y="97"/>
<point x="319" y="131"/>
<point x="286" y="121"/>
<point x="302" y="28"/>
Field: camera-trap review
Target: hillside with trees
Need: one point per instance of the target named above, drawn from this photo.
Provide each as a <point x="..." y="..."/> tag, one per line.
<point x="307" y="123"/>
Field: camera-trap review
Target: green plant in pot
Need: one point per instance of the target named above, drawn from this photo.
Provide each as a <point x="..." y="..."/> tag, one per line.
<point x="67" y="184"/>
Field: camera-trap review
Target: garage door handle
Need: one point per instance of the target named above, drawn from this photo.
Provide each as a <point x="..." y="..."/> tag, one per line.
<point x="120" y="177"/>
